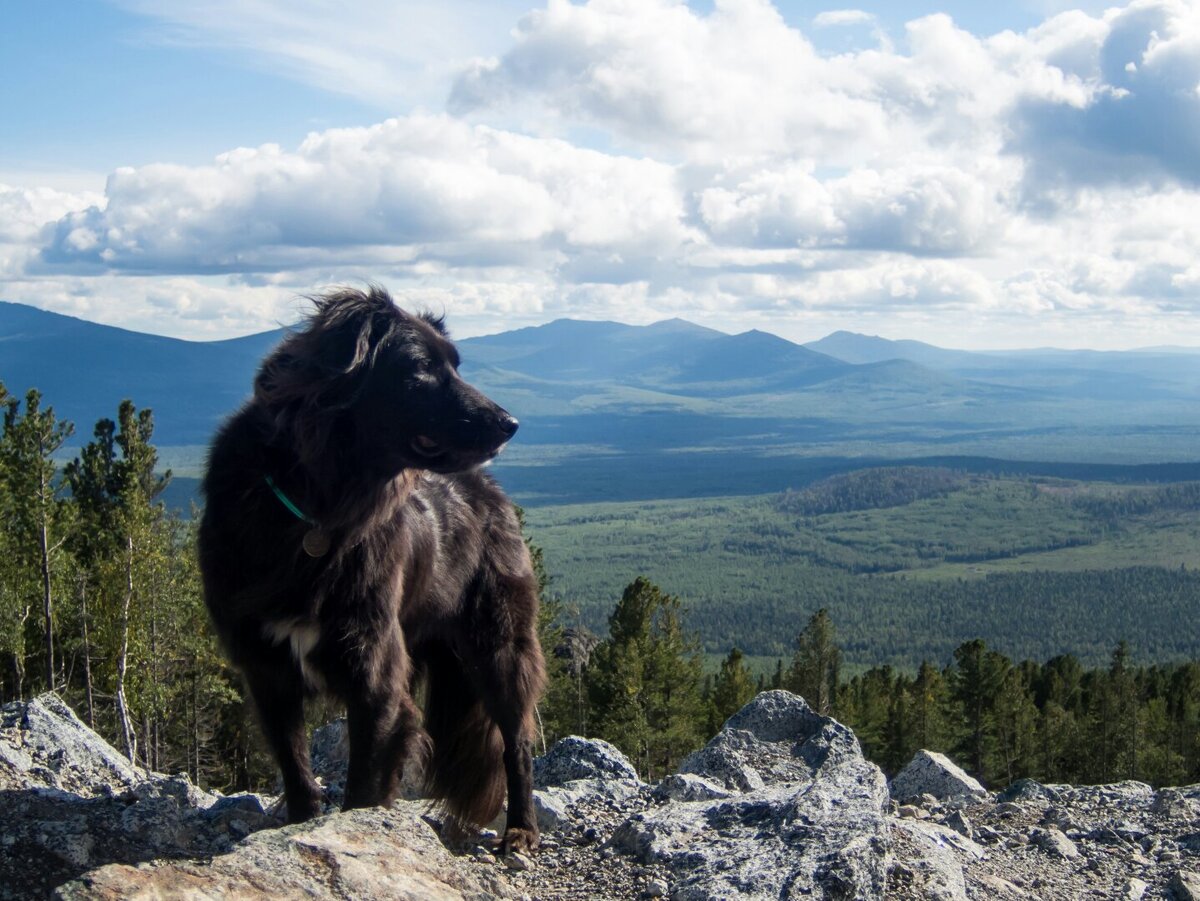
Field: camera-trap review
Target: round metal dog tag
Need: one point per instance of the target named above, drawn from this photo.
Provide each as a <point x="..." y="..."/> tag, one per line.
<point x="316" y="543"/>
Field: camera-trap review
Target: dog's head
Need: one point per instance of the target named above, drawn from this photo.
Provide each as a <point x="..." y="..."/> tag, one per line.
<point x="364" y="375"/>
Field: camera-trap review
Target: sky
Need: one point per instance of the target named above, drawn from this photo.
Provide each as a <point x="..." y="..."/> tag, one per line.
<point x="974" y="175"/>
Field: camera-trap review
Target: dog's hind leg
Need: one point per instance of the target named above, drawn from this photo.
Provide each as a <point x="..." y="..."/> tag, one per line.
<point x="277" y="688"/>
<point x="384" y="723"/>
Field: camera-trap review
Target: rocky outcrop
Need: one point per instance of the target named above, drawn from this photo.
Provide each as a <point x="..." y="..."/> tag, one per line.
<point x="780" y="805"/>
<point x="69" y="801"/>
<point x="805" y="817"/>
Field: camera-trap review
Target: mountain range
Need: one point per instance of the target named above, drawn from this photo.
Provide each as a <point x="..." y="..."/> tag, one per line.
<point x="674" y="408"/>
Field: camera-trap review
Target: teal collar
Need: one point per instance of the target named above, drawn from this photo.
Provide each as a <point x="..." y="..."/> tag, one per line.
<point x="287" y="502"/>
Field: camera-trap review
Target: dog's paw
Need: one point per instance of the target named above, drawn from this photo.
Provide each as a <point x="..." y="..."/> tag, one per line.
<point x="519" y="840"/>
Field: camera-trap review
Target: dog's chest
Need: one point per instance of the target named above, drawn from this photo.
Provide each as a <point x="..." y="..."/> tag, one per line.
<point x="302" y="636"/>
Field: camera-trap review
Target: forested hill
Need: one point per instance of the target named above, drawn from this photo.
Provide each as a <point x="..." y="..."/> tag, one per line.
<point x="604" y="403"/>
<point x="85" y="370"/>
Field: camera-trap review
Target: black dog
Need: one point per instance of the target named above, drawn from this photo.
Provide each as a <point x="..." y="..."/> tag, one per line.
<point x="350" y="545"/>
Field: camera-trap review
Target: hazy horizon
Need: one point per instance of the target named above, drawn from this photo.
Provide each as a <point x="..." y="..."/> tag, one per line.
<point x="457" y="335"/>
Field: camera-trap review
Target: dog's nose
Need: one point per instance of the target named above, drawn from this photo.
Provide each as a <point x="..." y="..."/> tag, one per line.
<point x="508" y="425"/>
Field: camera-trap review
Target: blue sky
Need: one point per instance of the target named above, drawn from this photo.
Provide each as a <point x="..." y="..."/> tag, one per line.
<point x="970" y="174"/>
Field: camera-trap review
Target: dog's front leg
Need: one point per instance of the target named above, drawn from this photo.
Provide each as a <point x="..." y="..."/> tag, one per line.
<point x="384" y="724"/>
<point x="276" y="686"/>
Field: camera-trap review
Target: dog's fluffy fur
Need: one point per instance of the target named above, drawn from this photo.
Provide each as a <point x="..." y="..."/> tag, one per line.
<point x="361" y="419"/>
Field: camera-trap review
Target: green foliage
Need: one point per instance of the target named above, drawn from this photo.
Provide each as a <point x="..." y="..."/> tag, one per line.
<point x="123" y="631"/>
<point x="644" y="681"/>
<point x="816" y="663"/>
<point x="730" y="691"/>
<point x="1022" y="562"/>
<point x="867" y="489"/>
<point x="1056" y="722"/>
<point x="34" y="520"/>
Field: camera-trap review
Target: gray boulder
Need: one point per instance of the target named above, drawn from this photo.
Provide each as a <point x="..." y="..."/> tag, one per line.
<point x="806" y="818"/>
<point x="561" y="806"/>
<point x="574" y="758"/>
<point x="1054" y="842"/>
<point x="1028" y="791"/>
<point x="1185" y="886"/>
<point x="935" y="774"/>
<point x="44" y="744"/>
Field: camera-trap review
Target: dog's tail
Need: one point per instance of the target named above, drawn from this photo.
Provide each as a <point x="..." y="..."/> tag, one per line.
<point x="466" y="771"/>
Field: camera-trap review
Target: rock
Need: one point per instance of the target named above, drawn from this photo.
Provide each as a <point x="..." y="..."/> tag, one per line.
<point x="996" y="887"/>
<point x="1054" y="843"/>
<point x="1189" y="842"/>
<point x="1060" y="818"/>
<point x="655" y="888"/>
<point x="1027" y="790"/>
<point x="1173" y="803"/>
<point x="43" y="743"/>
<point x="932" y="773"/>
<point x="810" y="824"/>
<point x="362" y="854"/>
<point x="959" y="822"/>
<point x="574" y="758"/>
<point x="759" y="746"/>
<point x="1133" y="889"/>
<point x="1185" y="886"/>
<point x="518" y="861"/>
<point x="71" y="802"/>
<point x="688" y="787"/>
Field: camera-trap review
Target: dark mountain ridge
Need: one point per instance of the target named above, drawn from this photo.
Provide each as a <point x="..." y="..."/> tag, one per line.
<point x="674" y="407"/>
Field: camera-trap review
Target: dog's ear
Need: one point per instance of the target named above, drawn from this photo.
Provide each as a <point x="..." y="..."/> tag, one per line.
<point x="346" y="345"/>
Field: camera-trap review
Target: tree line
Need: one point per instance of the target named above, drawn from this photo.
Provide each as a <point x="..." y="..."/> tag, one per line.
<point x="1001" y="720"/>
<point x="100" y="597"/>
<point x="100" y="600"/>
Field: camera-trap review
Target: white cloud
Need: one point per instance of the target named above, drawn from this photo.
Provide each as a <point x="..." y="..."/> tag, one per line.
<point x="832" y="18"/>
<point x="732" y="172"/>
<point x="422" y="187"/>
<point x="660" y="75"/>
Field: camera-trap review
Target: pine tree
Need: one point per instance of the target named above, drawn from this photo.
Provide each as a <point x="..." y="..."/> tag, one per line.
<point x="816" y="663"/>
<point x="123" y="546"/>
<point x="1122" y="706"/>
<point x="35" y="515"/>
<point x="1014" y="718"/>
<point x="975" y="681"/>
<point x="930" y="729"/>
<point x="644" y="682"/>
<point x="732" y="689"/>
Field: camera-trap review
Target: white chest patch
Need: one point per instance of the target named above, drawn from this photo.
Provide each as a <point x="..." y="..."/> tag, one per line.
<point x="303" y="637"/>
